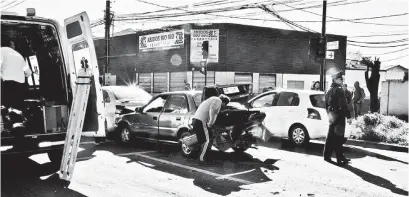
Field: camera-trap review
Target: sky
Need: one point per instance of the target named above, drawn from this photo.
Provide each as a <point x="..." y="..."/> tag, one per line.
<point x="398" y="26"/>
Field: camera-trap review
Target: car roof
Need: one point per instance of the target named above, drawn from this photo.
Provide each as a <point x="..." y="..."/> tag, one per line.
<point x="191" y="92"/>
<point x="296" y="91"/>
<point x="119" y="87"/>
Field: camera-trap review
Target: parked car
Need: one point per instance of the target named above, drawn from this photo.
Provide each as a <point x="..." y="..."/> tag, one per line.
<point x="120" y="100"/>
<point x="168" y="115"/>
<point x="298" y="115"/>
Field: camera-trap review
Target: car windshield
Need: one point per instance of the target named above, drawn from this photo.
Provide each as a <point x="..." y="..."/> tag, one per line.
<point x="131" y="93"/>
<point x="318" y="100"/>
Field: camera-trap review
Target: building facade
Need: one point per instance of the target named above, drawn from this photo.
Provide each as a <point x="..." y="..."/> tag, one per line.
<point x="167" y="59"/>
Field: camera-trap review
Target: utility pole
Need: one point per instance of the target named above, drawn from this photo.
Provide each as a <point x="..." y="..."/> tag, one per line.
<point x="323" y="42"/>
<point x="107" y="26"/>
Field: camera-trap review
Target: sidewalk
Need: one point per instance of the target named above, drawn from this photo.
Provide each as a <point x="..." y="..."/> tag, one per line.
<point x="380" y="145"/>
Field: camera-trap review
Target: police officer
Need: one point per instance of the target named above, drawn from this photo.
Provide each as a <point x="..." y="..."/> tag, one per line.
<point x="337" y="109"/>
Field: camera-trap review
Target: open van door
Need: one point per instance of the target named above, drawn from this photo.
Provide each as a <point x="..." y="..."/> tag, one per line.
<point x="80" y="47"/>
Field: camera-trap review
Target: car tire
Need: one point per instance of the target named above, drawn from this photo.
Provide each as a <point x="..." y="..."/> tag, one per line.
<point x="55" y="156"/>
<point x="299" y="135"/>
<point x="241" y="148"/>
<point x="186" y="150"/>
<point x="124" y="135"/>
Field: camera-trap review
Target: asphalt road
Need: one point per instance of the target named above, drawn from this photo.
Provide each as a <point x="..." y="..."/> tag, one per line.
<point x="270" y="169"/>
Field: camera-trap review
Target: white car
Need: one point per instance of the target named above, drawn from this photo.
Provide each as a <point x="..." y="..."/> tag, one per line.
<point x="298" y="115"/>
<point x="118" y="99"/>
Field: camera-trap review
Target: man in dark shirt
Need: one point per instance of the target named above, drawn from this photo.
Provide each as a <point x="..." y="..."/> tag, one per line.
<point x="348" y="97"/>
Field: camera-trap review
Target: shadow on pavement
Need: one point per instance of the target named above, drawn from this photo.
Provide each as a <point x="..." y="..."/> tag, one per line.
<point x="224" y="164"/>
<point x="317" y="149"/>
<point x="376" y="180"/>
<point x="21" y="176"/>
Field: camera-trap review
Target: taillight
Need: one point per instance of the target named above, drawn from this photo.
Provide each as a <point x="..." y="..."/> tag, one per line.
<point x="313" y="114"/>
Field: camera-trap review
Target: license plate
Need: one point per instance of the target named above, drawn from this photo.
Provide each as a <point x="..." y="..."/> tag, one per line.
<point x="231" y="90"/>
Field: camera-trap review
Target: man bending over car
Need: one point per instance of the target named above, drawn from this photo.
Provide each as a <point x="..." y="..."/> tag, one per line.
<point x="204" y="118"/>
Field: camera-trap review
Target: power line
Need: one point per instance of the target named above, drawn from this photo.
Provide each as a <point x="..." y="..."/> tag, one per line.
<point x="8" y="4"/>
<point x="388" y="52"/>
<point x="385" y="42"/>
<point x="320" y="5"/>
<point x="357" y="45"/>
<point x="395" y="58"/>
<point x="376" y="35"/>
<point x="15" y="5"/>
<point x="347" y="20"/>
<point x="271" y="11"/>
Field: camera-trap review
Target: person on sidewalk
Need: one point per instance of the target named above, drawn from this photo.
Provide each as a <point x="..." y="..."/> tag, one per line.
<point x="337" y="109"/>
<point x="204" y="119"/>
<point x="357" y="98"/>
<point x="348" y="97"/>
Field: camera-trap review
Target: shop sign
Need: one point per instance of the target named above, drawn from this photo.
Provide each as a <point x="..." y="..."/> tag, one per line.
<point x="162" y="41"/>
<point x="197" y="36"/>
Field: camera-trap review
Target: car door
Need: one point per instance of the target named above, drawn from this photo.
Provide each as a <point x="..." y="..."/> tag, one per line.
<point x="109" y="109"/>
<point x="287" y="105"/>
<point x="173" y="116"/>
<point x="77" y="37"/>
<point x="146" y="123"/>
<point x="264" y="103"/>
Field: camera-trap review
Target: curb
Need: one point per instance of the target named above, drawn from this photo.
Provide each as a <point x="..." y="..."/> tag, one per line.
<point x="381" y="146"/>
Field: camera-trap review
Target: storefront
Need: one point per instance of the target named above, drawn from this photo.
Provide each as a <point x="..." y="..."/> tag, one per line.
<point x="171" y="58"/>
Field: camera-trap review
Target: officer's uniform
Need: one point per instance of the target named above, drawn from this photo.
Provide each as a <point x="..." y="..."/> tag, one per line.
<point x="337" y="109"/>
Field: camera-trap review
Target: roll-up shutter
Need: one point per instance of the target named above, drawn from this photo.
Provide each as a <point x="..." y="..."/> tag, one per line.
<point x="266" y="81"/>
<point x="145" y="81"/>
<point x="243" y="78"/>
<point x="177" y="81"/>
<point x="160" y="82"/>
<point x="199" y="79"/>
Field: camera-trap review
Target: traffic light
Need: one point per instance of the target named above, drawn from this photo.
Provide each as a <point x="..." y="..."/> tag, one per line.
<point x="321" y="48"/>
<point x="317" y="49"/>
<point x="205" y="49"/>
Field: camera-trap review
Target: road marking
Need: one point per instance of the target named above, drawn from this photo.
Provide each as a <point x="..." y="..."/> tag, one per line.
<point x="218" y="176"/>
<point x="193" y="168"/>
<point x="234" y="174"/>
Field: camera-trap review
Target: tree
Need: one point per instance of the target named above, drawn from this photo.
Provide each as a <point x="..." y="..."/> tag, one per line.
<point x="372" y="82"/>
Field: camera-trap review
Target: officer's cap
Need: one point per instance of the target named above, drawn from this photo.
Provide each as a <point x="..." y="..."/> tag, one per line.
<point x="337" y="75"/>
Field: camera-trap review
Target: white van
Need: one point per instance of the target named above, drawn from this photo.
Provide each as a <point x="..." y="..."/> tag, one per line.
<point x="54" y="55"/>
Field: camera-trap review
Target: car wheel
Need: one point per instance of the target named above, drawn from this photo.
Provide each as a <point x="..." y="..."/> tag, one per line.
<point x="186" y="150"/>
<point x="241" y="148"/>
<point x="55" y="156"/>
<point x="299" y="135"/>
<point x="124" y="135"/>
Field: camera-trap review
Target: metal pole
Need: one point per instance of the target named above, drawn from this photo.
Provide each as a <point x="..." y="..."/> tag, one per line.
<point x="324" y="39"/>
<point x="107" y="26"/>
<point x="206" y="73"/>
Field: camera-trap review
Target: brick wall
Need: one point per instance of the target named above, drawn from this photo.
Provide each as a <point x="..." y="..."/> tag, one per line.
<point x="266" y="50"/>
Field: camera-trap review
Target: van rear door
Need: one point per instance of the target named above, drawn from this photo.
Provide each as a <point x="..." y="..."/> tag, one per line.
<point x="80" y="44"/>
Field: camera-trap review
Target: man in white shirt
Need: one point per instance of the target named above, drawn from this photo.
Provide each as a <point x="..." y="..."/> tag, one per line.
<point x="204" y="118"/>
<point x="13" y="73"/>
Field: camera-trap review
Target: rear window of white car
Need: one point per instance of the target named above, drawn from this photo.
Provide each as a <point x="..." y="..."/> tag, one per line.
<point x="318" y="100"/>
